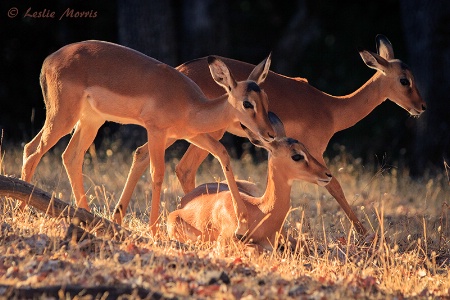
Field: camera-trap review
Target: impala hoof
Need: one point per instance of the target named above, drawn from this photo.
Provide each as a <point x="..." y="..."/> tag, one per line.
<point x="240" y="237"/>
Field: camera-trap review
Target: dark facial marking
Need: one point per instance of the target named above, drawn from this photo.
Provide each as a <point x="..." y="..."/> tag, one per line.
<point x="252" y="86"/>
<point x="404" y="66"/>
<point x="211" y="59"/>
<point x="292" y="141"/>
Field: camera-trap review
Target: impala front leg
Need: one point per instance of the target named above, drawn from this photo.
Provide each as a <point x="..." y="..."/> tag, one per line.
<point x="335" y="189"/>
<point x="141" y="161"/>
<point x="156" y="148"/>
<point x="207" y="142"/>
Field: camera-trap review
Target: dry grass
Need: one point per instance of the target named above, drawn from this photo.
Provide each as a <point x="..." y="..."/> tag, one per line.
<point x="409" y="258"/>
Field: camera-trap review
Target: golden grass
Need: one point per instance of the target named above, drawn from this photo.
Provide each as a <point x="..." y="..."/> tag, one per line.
<point x="409" y="219"/>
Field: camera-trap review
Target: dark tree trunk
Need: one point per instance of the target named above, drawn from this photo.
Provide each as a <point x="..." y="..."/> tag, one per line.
<point x="204" y="29"/>
<point x="299" y="34"/>
<point x="427" y="34"/>
<point x="148" y="26"/>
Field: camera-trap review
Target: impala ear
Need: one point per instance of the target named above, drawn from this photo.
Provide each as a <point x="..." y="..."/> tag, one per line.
<point x="261" y="71"/>
<point x="221" y="74"/>
<point x="384" y="47"/>
<point x="277" y="125"/>
<point x="374" y="61"/>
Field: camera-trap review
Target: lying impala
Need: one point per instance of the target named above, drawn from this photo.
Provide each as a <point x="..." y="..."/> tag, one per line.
<point x="309" y="115"/>
<point x="87" y="83"/>
<point x="207" y="212"/>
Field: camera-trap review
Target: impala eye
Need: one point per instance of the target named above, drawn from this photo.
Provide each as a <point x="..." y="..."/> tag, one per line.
<point x="247" y="104"/>
<point x="404" y="81"/>
<point x="297" y="157"/>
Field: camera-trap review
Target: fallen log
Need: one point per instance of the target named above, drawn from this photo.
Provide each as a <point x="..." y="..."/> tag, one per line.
<point x="49" y="204"/>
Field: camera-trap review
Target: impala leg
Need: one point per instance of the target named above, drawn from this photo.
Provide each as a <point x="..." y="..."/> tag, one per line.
<point x="190" y="162"/>
<point x="32" y="154"/>
<point x="156" y="148"/>
<point x="335" y="189"/>
<point x="180" y="230"/>
<point x="207" y="142"/>
<point x="41" y="143"/>
<point x="187" y="168"/>
<point x="141" y="161"/>
<point x="83" y="136"/>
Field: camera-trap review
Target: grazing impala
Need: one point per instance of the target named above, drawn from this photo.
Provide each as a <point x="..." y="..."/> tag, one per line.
<point x="85" y="84"/>
<point x="309" y="114"/>
<point x="207" y="212"/>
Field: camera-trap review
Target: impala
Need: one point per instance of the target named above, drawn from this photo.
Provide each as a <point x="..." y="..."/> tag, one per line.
<point x="207" y="212"/>
<point x="308" y="114"/>
<point x="85" y="84"/>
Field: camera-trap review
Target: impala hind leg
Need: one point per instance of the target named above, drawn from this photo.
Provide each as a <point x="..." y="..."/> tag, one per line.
<point x="83" y="136"/>
<point x="187" y="168"/>
<point x="179" y="230"/>
<point x="53" y="130"/>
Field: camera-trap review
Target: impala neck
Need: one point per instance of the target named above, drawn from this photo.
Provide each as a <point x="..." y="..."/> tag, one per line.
<point x="358" y="104"/>
<point x="217" y="109"/>
<point x="278" y="193"/>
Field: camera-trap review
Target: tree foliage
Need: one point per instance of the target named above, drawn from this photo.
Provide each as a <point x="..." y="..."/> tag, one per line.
<point x="317" y="40"/>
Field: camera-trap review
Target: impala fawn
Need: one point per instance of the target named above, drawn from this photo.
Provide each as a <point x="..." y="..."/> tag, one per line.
<point x="309" y="114"/>
<point x="207" y="212"/>
<point x="85" y="84"/>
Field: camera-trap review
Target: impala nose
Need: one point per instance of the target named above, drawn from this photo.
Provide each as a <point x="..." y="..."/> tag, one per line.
<point x="324" y="182"/>
<point x="268" y="139"/>
<point x="424" y="107"/>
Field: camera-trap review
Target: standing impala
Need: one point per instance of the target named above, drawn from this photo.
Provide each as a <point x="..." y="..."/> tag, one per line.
<point x="85" y="84"/>
<point x="309" y="114"/>
<point x="207" y="212"/>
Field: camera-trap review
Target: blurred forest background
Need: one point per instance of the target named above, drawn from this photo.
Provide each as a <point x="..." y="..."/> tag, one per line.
<point x="317" y="40"/>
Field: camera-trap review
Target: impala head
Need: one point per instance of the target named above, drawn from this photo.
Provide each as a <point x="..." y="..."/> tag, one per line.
<point x="249" y="100"/>
<point x="291" y="157"/>
<point x="400" y="86"/>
